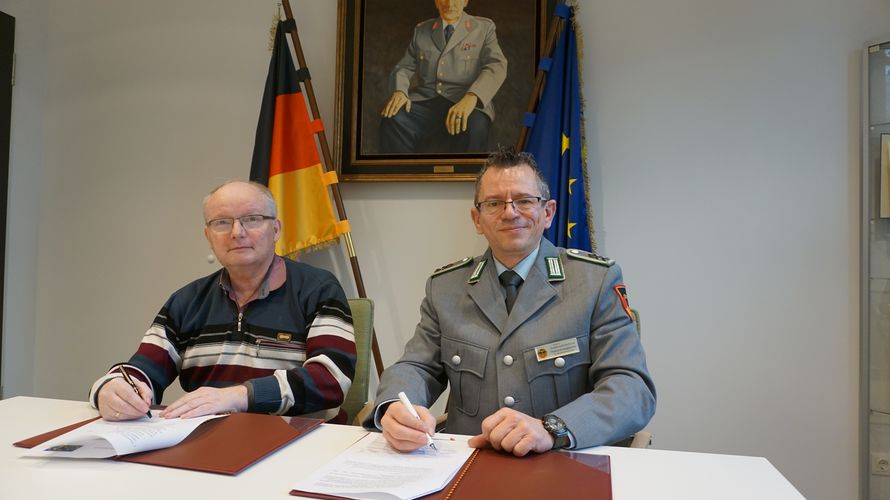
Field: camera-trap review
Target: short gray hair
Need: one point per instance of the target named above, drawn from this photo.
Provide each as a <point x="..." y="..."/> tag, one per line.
<point x="261" y="188"/>
<point x="507" y="157"/>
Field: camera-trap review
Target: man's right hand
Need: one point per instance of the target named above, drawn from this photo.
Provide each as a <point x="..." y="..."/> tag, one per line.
<point x="395" y="103"/>
<point x="118" y="401"/>
<point x="404" y="432"/>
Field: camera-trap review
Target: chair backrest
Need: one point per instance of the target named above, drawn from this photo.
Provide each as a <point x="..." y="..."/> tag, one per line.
<point x="363" y="325"/>
<point x="636" y="315"/>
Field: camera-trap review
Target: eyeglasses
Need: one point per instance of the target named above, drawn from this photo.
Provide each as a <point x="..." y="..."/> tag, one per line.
<point x="524" y="205"/>
<point x="225" y="224"/>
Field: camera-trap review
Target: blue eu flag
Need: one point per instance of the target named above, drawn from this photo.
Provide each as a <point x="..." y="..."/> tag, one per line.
<point x="556" y="141"/>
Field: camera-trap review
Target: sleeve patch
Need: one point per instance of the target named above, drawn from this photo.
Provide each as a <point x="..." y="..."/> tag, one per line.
<point x="621" y="292"/>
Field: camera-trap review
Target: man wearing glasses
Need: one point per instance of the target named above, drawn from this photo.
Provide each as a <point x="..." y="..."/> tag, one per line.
<point x="263" y="334"/>
<point x="537" y="342"/>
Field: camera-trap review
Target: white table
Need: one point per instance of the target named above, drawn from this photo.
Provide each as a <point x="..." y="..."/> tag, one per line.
<point x="636" y="473"/>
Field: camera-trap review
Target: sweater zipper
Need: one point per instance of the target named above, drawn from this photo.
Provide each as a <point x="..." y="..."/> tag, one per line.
<point x="240" y="316"/>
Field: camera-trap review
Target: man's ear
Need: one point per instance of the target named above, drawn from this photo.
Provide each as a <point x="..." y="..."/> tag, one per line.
<point x="549" y="212"/>
<point x="474" y="215"/>
<point x="277" y="224"/>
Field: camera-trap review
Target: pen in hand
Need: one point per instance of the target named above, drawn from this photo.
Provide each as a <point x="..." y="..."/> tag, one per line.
<point x="408" y="406"/>
<point x="133" y="385"/>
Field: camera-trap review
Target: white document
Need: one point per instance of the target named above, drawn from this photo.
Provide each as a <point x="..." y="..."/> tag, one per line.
<point x="102" y="439"/>
<point x="371" y="469"/>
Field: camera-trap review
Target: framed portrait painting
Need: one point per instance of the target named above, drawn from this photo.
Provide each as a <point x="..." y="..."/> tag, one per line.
<point x="427" y="88"/>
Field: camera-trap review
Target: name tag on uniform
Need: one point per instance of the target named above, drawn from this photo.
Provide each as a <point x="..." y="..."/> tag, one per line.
<point x="557" y="349"/>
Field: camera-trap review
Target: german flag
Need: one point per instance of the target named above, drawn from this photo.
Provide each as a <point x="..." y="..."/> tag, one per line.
<point x="285" y="157"/>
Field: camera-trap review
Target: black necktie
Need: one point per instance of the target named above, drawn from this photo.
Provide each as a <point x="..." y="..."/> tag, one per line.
<point x="449" y="30"/>
<point x="511" y="282"/>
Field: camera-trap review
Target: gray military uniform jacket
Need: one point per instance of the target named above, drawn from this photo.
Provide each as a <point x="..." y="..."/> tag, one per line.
<point x="471" y="61"/>
<point x="465" y="338"/>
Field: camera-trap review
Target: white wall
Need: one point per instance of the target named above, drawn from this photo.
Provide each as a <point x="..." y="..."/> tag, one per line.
<point x="723" y="142"/>
<point x="26" y="163"/>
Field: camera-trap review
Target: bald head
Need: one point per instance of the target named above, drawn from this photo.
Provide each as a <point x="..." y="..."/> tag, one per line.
<point x="239" y="184"/>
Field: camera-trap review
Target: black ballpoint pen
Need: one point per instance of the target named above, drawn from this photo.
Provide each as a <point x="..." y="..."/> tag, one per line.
<point x="133" y="385"/>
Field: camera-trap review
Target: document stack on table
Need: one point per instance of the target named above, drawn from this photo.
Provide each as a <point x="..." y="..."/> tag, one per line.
<point x="371" y="469"/>
<point x="101" y="439"/>
<point x="221" y="445"/>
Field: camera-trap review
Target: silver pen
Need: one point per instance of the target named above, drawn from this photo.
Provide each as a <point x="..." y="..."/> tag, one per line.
<point x="410" y="407"/>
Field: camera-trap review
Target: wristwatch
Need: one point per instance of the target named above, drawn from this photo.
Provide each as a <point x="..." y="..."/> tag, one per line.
<point x="557" y="428"/>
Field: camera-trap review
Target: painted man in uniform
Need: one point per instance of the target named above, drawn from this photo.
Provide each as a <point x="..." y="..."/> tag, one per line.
<point x="551" y="360"/>
<point x="443" y="86"/>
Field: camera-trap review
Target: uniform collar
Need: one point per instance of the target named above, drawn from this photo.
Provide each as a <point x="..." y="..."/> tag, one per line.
<point x="523" y="267"/>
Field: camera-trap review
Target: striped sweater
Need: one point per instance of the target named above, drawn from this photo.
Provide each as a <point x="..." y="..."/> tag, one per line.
<point x="293" y="348"/>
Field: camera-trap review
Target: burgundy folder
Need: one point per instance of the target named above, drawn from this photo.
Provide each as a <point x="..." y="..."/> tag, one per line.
<point x="224" y="445"/>
<point x="493" y="474"/>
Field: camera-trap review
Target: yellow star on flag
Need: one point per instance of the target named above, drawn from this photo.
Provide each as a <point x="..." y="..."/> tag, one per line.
<point x="565" y="144"/>
<point x="571" y="181"/>
<point x="571" y="225"/>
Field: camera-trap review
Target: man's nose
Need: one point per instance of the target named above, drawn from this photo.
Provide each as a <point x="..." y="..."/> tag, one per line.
<point x="237" y="229"/>
<point x="509" y="207"/>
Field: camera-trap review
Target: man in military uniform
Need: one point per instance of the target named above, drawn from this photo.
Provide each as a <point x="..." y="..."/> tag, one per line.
<point x="443" y="86"/>
<point x="537" y="342"/>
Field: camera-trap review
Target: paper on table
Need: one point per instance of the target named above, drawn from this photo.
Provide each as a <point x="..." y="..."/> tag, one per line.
<point x="102" y="439"/>
<point x="371" y="469"/>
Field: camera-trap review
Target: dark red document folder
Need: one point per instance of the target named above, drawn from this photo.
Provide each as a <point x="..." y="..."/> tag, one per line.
<point x="492" y="474"/>
<point x="224" y="445"/>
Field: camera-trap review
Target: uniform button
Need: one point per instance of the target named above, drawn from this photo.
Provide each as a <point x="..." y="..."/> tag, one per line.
<point x="455" y="359"/>
<point x="441" y="74"/>
<point x="508" y="360"/>
<point x="439" y="90"/>
<point x="509" y="401"/>
<point x="441" y="63"/>
<point x="559" y="362"/>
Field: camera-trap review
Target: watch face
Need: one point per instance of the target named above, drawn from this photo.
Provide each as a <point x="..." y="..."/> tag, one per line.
<point x="557" y="428"/>
<point x="554" y="424"/>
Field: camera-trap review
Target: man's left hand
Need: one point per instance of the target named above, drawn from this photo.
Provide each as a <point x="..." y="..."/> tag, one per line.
<point x="208" y="401"/>
<point x="459" y="114"/>
<point x="513" y="432"/>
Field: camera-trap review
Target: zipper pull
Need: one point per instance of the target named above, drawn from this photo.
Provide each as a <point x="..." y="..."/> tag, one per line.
<point x="240" y="315"/>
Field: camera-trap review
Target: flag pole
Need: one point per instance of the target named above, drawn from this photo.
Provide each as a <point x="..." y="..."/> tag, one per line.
<point x="555" y="28"/>
<point x="335" y="187"/>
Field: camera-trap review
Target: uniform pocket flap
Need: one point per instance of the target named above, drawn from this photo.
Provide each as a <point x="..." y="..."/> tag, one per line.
<point x="464" y="357"/>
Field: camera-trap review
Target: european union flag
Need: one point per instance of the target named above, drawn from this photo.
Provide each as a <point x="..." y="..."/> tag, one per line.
<point x="556" y="141"/>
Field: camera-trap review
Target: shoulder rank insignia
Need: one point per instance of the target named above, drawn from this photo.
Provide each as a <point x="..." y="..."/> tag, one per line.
<point x="555" y="271"/>
<point x="454" y="265"/>
<point x="590" y="257"/>
<point x="477" y="273"/>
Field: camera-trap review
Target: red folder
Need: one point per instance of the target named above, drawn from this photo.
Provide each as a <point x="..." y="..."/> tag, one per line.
<point x="494" y="474"/>
<point x="224" y="445"/>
